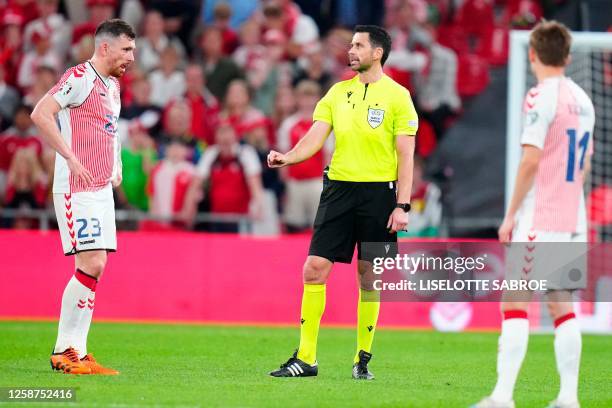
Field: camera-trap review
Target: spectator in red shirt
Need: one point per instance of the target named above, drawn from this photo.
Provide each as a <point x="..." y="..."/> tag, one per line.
<point x="232" y="173"/>
<point x="41" y="55"/>
<point x="285" y="15"/>
<point x="304" y="180"/>
<point x="26" y="8"/>
<point x="222" y="15"/>
<point x="11" y="45"/>
<point x="249" y="123"/>
<point x="99" y="10"/>
<point x="204" y="106"/>
<point x="44" y="80"/>
<point x="21" y="135"/>
<point x="169" y="182"/>
<point x="49" y="19"/>
<point x="26" y="186"/>
<point x="251" y="50"/>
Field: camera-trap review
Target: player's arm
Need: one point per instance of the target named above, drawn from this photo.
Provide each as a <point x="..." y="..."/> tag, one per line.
<point x="587" y="170"/>
<point x="116" y="182"/>
<point x="307" y="147"/>
<point x="528" y="168"/>
<point x="405" y="165"/>
<point x="539" y="111"/>
<point x="43" y="117"/>
<point x="405" y="126"/>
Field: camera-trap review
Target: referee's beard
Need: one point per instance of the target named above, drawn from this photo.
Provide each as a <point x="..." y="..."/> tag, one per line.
<point x="363" y="68"/>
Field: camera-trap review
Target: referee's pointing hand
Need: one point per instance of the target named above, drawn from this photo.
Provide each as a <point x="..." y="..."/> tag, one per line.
<point x="276" y="159"/>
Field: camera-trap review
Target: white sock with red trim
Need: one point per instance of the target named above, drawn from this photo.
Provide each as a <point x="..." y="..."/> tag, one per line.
<point x="568" y="345"/>
<point x="76" y="313"/>
<point x="512" y="348"/>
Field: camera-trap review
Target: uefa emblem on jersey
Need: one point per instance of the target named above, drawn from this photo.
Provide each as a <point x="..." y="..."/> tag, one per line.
<point x="531" y="118"/>
<point x="375" y="117"/>
<point x="65" y="88"/>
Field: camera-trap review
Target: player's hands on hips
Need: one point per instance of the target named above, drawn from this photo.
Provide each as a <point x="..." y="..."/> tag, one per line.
<point x="505" y="230"/>
<point x="116" y="182"/>
<point x="79" y="171"/>
<point x="276" y="159"/>
<point x="398" y="220"/>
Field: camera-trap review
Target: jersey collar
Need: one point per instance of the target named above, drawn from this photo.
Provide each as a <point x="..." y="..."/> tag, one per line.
<point x="104" y="81"/>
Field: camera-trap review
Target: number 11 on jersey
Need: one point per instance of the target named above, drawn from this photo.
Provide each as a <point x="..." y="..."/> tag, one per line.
<point x="571" y="159"/>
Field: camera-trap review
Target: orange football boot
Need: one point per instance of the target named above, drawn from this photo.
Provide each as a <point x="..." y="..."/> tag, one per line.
<point x="95" y="367"/>
<point x="69" y="362"/>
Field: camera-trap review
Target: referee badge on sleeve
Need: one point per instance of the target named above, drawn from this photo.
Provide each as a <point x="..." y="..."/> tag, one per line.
<point x="375" y="117"/>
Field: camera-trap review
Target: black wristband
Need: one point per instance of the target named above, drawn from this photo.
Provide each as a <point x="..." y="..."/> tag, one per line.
<point x="403" y="206"/>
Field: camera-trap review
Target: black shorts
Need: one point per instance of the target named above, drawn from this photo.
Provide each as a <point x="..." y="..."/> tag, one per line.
<point x="352" y="213"/>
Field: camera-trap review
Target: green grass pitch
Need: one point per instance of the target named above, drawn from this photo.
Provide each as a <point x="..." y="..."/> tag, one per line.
<point x="191" y="365"/>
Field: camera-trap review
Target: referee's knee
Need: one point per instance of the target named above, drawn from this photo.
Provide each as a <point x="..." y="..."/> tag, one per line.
<point x="316" y="270"/>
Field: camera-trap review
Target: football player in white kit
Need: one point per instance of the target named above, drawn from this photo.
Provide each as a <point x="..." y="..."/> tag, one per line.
<point x="547" y="206"/>
<point x="85" y="103"/>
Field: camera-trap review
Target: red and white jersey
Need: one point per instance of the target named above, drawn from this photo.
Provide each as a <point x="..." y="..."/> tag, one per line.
<point x="559" y="119"/>
<point x="168" y="187"/>
<point x="90" y="106"/>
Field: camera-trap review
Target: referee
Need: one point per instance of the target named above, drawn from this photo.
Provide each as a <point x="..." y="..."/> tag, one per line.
<point x="366" y="189"/>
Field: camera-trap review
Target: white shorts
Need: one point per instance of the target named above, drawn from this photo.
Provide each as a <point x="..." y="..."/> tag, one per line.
<point x="86" y="220"/>
<point x="559" y="258"/>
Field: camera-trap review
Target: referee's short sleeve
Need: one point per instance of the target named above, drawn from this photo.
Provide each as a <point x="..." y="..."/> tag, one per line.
<point x="405" y="119"/>
<point x="323" y="110"/>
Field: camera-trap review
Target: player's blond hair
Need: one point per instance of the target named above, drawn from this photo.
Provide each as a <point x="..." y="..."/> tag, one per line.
<point x="551" y="41"/>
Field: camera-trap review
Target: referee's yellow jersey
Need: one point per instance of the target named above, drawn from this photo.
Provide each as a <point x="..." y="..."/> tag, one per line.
<point x="366" y="119"/>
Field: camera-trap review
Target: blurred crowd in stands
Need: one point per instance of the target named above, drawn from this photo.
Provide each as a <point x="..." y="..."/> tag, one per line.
<point x="217" y="84"/>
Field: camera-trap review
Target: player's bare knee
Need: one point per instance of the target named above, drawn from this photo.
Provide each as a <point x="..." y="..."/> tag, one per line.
<point x="505" y="306"/>
<point x="557" y="309"/>
<point x="94" y="268"/>
<point x="366" y="275"/>
<point x="92" y="263"/>
<point x="316" y="270"/>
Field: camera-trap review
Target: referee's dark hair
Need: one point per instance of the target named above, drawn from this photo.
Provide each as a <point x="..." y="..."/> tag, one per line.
<point x="115" y="28"/>
<point x="378" y="38"/>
